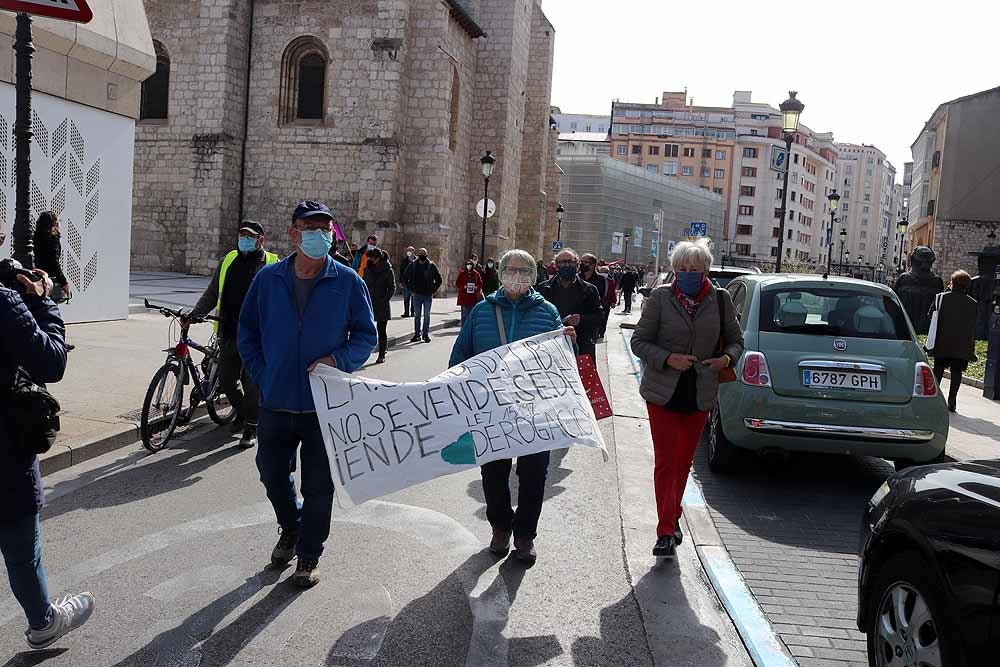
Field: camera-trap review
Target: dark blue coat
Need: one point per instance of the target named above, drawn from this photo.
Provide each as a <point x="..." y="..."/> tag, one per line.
<point x="32" y="337"/>
<point x="529" y="316"/>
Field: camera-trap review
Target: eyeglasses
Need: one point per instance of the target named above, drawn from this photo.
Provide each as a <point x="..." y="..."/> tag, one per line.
<point x="515" y="271"/>
<point x="566" y="262"/>
<point x="312" y="226"/>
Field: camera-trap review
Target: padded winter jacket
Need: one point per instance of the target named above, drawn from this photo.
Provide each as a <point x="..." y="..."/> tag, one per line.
<point x="527" y="317"/>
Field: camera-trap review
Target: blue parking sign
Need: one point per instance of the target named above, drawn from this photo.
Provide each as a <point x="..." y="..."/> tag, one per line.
<point x="557" y="246"/>
<point x="698" y="229"/>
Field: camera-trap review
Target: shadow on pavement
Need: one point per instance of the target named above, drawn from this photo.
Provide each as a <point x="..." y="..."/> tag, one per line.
<point x="174" y="468"/>
<point x="194" y="642"/>
<point x="555" y="476"/>
<point x="975" y="425"/>
<point x="439" y="628"/>
<point x="32" y="658"/>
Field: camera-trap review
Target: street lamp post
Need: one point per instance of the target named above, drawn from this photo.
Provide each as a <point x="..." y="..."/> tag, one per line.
<point x="559" y="217"/>
<point x="625" y="259"/>
<point x="861" y="266"/>
<point x="834" y="200"/>
<point x="901" y="228"/>
<point x="488" y="162"/>
<point x="790" y="111"/>
<point x="843" y="238"/>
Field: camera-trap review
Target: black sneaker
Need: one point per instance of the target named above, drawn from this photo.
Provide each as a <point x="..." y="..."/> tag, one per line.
<point x="284" y="550"/>
<point x="678" y="534"/>
<point x="306" y="572"/>
<point x="415" y="339"/>
<point x="249" y="439"/>
<point x="665" y="547"/>
<point x="524" y="550"/>
<point x="381" y="359"/>
<point x="427" y="339"/>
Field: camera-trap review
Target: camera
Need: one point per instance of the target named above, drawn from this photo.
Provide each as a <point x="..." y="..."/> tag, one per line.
<point x="10" y="269"/>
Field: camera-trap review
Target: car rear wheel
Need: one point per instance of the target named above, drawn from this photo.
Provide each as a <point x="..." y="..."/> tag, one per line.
<point x="722" y="454"/>
<point x="907" y="623"/>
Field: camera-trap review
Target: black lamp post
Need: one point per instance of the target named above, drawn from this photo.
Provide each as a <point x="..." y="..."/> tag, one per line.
<point x="834" y="200"/>
<point x="625" y="258"/>
<point x="843" y="238"/>
<point x="790" y="111"/>
<point x="901" y="228"/>
<point x="488" y="162"/>
<point x="22" y="247"/>
<point x="861" y="265"/>
<point x="559" y="217"/>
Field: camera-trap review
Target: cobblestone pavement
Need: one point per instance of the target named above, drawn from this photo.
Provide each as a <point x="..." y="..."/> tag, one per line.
<point x="791" y="525"/>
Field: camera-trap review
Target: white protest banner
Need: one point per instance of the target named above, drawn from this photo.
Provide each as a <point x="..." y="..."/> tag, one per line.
<point x="517" y="399"/>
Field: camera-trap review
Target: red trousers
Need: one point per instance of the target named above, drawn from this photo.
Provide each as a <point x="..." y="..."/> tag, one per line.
<point x="675" y="438"/>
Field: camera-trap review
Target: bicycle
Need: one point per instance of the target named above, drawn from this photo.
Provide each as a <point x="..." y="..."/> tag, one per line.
<point x="163" y="408"/>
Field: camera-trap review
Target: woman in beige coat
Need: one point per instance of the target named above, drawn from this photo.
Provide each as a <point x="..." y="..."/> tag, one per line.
<point x="678" y="337"/>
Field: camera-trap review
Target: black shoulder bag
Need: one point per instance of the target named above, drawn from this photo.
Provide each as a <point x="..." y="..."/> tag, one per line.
<point x="33" y="414"/>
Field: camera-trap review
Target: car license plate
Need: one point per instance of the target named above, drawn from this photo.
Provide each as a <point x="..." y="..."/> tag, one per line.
<point x="842" y="380"/>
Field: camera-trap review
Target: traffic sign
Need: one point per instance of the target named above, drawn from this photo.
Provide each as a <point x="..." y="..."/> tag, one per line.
<point x="557" y="246"/>
<point x="490" y="211"/>
<point x="779" y="159"/>
<point x="698" y="228"/>
<point x="77" y="11"/>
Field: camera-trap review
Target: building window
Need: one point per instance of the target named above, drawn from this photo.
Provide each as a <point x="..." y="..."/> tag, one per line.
<point x="687" y="171"/>
<point x="864" y="222"/>
<point x="749" y="152"/>
<point x="864" y="234"/>
<point x="795" y="158"/>
<point x="930" y="207"/>
<point x="670" y="150"/>
<point x="303" y="94"/>
<point x="705" y="172"/>
<point x="753" y="133"/>
<point x="706" y="153"/>
<point x="621" y="150"/>
<point x="936" y="160"/>
<point x="746" y="210"/>
<point x="637" y="150"/>
<point x="720" y="155"/>
<point x="864" y="210"/>
<point x="844" y="207"/>
<point x="652" y="168"/>
<point x="154" y="100"/>
<point x="747" y="190"/>
<point x="868" y="197"/>
<point x="750" y="172"/>
<point x="669" y="168"/>
<point x="654" y="150"/>
<point x="744" y="230"/>
<point x="743" y="249"/>
<point x="793" y="195"/>
<point x="587" y="129"/>
<point x="688" y="152"/>
<point x="720" y="173"/>
<point x="456" y="96"/>
<point x="717" y="191"/>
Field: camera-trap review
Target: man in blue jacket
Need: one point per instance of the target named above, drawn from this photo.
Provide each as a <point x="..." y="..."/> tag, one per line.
<point x="31" y="337"/>
<point x="303" y="311"/>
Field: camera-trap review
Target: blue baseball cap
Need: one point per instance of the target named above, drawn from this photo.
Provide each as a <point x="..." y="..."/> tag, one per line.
<point x="310" y="209"/>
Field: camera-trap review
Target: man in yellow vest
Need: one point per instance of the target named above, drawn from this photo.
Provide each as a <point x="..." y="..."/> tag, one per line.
<point x="225" y="294"/>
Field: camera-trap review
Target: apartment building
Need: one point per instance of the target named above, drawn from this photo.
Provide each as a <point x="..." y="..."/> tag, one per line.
<point x="673" y="138"/>
<point x="756" y="191"/>
<point x="568" y="123"/>
<point x="865" y="182"/>
<point x="955" y="188"/>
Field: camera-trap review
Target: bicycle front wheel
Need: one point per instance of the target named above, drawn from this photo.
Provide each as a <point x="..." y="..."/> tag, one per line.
<point x="162" y="406"/>
<point x="220" y="409"/>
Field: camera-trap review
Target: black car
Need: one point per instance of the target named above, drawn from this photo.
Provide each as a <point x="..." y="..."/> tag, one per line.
<point x="929" y="580"/>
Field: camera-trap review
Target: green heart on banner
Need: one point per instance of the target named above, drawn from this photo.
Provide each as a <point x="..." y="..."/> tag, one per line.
<point x="460" y="452"/>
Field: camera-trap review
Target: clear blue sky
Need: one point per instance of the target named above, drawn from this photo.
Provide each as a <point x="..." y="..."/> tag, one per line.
<point x="870" y="71"/>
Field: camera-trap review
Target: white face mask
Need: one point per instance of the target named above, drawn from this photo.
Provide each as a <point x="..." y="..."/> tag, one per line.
<point x="468" y="267"/>
<point x="518" y="285"/>
<point x="409" y="254"/>
<point x="371" y="247"/>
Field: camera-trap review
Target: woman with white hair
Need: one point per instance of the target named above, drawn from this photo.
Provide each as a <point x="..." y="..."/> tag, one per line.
<point x="687" y="335"/>
<point x="524" y="313"/>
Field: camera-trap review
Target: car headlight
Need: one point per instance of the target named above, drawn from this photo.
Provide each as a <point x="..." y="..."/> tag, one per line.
<point x="880" y="495"/>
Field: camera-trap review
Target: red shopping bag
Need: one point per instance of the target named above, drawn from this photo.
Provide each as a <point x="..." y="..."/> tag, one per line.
<point x="592" y="383"/>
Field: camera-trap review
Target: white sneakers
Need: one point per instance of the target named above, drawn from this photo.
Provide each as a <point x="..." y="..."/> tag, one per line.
<point x="68" y="614"/>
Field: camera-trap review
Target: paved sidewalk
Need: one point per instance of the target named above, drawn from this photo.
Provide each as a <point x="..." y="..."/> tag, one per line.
<point x="110" y="369"/>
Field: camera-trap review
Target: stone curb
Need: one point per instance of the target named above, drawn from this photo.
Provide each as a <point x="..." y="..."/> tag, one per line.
<point x="73" y="451"/>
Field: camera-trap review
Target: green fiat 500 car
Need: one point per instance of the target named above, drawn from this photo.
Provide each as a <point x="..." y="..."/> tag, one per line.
<point x="831" y="365"/>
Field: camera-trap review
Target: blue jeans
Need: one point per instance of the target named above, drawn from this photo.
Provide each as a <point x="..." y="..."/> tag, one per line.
<point x="279" y="435"/>
<point x="21" y="543"/>
<point x="422" y="304"/>
<point x="406" y="300"/>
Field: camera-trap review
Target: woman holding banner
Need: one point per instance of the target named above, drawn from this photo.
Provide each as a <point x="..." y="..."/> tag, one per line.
<point x="514" y="312"/>
<point x="687" y="335"/>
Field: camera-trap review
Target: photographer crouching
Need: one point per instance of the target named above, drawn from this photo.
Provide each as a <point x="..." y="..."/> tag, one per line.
<point x="32" y="350"/>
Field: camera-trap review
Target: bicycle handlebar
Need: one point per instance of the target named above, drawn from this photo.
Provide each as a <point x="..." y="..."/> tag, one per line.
<point x="168" y="312"/>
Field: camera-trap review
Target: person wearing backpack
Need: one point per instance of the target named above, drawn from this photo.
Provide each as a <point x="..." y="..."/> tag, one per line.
<point x="32" y="342"/>
<point x="524" y="313"/>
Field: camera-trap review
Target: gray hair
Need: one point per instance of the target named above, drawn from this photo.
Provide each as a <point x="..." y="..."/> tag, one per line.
<point x="516" y="255"/>
<point x="692" y="251"/>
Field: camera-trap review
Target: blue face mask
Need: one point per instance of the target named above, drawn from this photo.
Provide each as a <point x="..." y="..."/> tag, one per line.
<point x="690" y="282"/>
<point x="316" y="243"/>
<point x="247" y="244"/>
<point x="567" y="272"/>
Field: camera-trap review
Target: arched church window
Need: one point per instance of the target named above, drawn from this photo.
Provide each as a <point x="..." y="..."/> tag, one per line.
<point x="303" y="93"/>
<point x="155" y="96"/>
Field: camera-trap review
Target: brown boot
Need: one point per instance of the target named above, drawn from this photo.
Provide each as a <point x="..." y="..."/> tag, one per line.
<point x="500" y="544"/>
